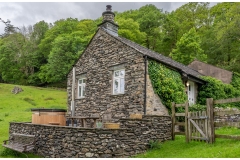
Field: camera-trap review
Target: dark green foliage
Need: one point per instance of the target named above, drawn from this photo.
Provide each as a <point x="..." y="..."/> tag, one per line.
<point x="236" y="80"/>
<point x="167" y="84"/>
<point x="7" y="152"/>
<point x="216" y="89"/>
<point x="155" y="144"/>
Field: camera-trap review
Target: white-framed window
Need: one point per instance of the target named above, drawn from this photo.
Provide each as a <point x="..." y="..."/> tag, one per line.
<point x="81" y="87"/>
<point x="118" y="81"/>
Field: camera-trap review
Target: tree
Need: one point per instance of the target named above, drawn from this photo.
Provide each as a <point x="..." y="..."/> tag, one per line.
<point x="150" y="21"/>
<point x="10" y="59"/>
<point x="130" y="30"/>
<point x="223" y="47"/>
<point x="170" y="33"/>
<point x="9" y="28"/>
<point x="193" y="14"/>
<point x="188" y="48"/>
<point x="63" y="55"/>
<point x="65" y="51"/>
<point x="60" y="27"/>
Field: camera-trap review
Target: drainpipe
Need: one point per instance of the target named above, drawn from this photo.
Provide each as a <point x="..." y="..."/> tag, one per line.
<point x="145" y="85"/>
<point x="73" y="91"/>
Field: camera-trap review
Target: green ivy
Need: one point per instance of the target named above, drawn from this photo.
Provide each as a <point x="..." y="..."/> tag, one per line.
<point x="167" y="84"/>
<point x="236" y="80"/>
<point x="216" y="89"/>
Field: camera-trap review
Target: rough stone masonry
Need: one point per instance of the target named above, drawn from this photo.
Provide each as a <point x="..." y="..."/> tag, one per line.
<point x="70" y="142"/>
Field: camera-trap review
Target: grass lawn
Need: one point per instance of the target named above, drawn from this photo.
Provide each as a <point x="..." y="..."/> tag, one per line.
<point x="17" y="107"/>
<point x="222" y="148"/>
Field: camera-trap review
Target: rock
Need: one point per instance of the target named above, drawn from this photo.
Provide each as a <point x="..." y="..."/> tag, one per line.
<point x="17" y="90"/>
<point x="89" y="154"/>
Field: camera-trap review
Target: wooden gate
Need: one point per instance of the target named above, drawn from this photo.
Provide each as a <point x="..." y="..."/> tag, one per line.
<point x="198" y="126"/>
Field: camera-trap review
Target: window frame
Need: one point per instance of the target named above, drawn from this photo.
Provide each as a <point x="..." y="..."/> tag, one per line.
<point x="119" y="78"/>
<point x="81" y="85"/>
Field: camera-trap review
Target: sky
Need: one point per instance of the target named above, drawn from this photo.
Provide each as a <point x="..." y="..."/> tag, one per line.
<point x="27" y="13"/>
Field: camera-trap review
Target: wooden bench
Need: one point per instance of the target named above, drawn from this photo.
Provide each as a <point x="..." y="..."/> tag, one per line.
<point x="20" y="142"/>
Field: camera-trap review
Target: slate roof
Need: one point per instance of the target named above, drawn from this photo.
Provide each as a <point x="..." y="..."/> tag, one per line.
<point x="159" y="57"/>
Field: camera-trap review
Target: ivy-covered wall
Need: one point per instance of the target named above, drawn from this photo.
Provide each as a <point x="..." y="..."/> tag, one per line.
<point x="166" y="83"/>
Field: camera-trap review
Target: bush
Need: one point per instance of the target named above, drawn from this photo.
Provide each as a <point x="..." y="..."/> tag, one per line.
<point x="216" y="89"/>
<point x="155" y="144"/>
<point x="236" y="80"/>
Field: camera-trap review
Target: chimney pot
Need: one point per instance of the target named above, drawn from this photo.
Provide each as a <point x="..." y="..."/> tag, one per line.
<point x="109" y="8"/>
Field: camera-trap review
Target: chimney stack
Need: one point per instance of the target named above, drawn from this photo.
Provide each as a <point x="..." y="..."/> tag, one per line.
<point x="108" y="21"/>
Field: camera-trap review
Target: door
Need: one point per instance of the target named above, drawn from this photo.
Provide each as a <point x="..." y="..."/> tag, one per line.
<point x="191" y="91"/>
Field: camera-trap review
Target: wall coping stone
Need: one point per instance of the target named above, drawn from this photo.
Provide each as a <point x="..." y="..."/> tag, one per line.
<point x="80" y="128"/>
<point x="156" y="116"/>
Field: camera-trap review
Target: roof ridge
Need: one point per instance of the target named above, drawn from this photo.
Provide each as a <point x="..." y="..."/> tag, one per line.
<point x="156" y="55"/>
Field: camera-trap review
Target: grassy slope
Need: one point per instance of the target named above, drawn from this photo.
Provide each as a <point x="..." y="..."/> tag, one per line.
<point x="222" y="148"/>
<point x="18" y="107"/>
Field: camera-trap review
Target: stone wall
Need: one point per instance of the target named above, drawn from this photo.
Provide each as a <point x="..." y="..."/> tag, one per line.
<point x="154" y="104"/>
<point x="64" y="142"/>
<point x="227" y="117"/>
<point x="102" y="54"/>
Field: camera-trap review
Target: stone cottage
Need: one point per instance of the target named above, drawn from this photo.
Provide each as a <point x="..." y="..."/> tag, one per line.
<point x="111" y="78"/>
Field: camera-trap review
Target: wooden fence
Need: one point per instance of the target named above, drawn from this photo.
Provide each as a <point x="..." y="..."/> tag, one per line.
<point x="177" y="123"/>
<point x="200" y="126"/>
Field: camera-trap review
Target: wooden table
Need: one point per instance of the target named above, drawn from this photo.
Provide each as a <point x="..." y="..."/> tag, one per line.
<point x="83" y="120"/>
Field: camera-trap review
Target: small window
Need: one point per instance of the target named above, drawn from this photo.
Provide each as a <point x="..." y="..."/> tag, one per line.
<point x="81" y="87"/>
<point x="118" y="81"/>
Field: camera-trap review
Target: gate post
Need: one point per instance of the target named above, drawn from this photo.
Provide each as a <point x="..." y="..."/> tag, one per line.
<point x="186" y="122"/>
<point x="173" y="121"/>
<point x="210" y="120"/>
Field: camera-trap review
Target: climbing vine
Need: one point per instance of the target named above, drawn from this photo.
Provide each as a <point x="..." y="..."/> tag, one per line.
<point x="167" y="84"/>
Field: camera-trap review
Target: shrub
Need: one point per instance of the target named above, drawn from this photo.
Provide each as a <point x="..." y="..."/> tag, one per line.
<point x="155" y="144"/>
<point x="216" y="89"/>
<point x="236" y="80"/>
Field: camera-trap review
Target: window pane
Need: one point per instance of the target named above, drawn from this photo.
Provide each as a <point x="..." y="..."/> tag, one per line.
<point x="80" y="90"/>
<point x="83" y="94"/>
<point x="84" y="80"/>
<point x="116" y="73"/>
<point x="80" y="81"/>
<point x="122" y="72"/>
<point x="122" y="85"/>
<point x="116" y="85"/>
